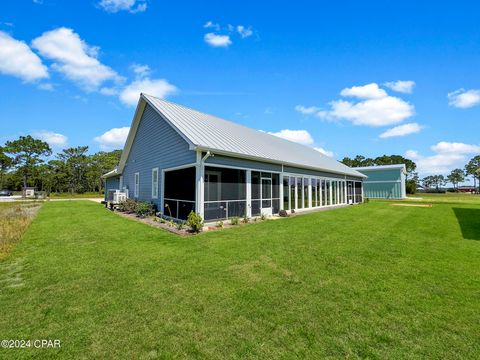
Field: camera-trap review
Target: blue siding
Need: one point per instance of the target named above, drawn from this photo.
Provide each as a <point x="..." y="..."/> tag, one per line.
<point x="295" y="170"/>
<point x="384" y="183"/>
<point x="156" y="144"/>
<point x="243" y="163"/>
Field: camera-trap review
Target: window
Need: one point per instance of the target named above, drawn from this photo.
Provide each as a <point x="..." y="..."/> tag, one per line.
<point x="314" y="192"/>
<point x="299" y="193"/>
<point x="292" y="192"/>
<point x="155" y="183"/>
<point x="305" y="192"/>
<point x="286" y="203"/>
<point x="137" y="184"/>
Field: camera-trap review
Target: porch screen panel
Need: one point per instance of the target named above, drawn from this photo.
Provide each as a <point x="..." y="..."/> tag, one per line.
<point x="275" y="193"/>
<point x="299" y="193"/>
<point x="225" y="193"/>
<point x="292" y="192"/>
<point x="314" y="192"/>
<point x="286" y="192"/>
<point x="358" y="192"/>
<point x="179" y="193"/>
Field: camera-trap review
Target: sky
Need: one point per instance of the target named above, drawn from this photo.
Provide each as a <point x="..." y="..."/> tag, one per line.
<point x="347" y="78"/>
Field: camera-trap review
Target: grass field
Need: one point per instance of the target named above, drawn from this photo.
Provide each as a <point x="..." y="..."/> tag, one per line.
<point x="369" y="281"/>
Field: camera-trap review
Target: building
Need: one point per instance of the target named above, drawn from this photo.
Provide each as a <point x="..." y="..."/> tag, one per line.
<point x="184" y="160"/>
<point x="384" y="181"/>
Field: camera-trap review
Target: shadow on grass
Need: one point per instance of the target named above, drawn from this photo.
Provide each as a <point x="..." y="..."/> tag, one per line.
<point x="469" y="221"/>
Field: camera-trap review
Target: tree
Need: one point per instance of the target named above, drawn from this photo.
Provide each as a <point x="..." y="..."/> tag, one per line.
<point x="456" y="176"/>
<point x="472" y="169"/>
<point x="27" y="154"/>
<point x="436" y="181"/>
<point x="396" y="159"/>
<point x="75" y="161"/>
<point x="99" y="164"/>
<point x="5" y="163"/>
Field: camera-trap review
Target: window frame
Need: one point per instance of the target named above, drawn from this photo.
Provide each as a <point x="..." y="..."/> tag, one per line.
<point x="155" y="183"/>
<point x="136" y="184"/>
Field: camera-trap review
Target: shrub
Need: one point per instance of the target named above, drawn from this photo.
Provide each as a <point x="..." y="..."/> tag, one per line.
<point x="411" y="187"/>
<point x="366" y="200"/>
<point x="180" y="225"/>
<point x="128" y="206"/>
<point x="245" y="220"/>
<point x="219" y="224"/>
<point x="235" y="220"/>
<point x="195" y="222"/>
<point x="263" y="217"/>
<point x="283" y="213"/>
<point x="292" y="211"/>
<point x="144" y="209"/>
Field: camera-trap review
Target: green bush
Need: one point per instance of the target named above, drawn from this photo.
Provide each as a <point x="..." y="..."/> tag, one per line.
<point x="220" y="224"/>
<point x="235" y="220"/>
<point x="246" y="219"/>
<point x="128" y="206"/>
<point x="411" y="187"/>
<point x="195" y="222"/>
<point x="283" y="213"/>
<point x="144" y="209"/>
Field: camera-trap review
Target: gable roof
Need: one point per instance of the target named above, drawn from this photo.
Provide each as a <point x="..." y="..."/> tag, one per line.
<point x="210" y="133"/>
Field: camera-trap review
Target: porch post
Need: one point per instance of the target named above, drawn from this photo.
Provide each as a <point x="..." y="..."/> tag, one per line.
<point x="330" y="191"/>
<point x="249" y="193"/>
<point x="281" y="190"/>
<point x="346" y="191"/>
<point x="309" y="192"/>
<point x="199" y="185"/>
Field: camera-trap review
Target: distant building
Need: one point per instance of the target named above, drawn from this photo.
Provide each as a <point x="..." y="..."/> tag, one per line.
<point x="29" y="192"/>
<point x="384" y="181"/>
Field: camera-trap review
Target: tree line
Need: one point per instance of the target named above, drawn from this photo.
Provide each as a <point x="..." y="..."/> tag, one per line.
<point x="28" y="162"/>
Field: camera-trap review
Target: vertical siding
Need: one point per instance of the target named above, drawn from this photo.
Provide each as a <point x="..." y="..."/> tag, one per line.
<point x="156" y="144"/>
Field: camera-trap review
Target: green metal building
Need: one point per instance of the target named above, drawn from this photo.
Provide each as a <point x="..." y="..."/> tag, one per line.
<point x="384" y="181"/>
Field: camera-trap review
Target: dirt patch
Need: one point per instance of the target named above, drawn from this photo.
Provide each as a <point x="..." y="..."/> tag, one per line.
<point x="413" y="205"/>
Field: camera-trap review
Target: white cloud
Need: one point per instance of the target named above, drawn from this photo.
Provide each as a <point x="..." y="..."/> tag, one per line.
<point x="324" y="152"/>
<point x="244" y="31"/>
<point x="375" y="107"/>
<point x="369" y="91"/>
<point x="212" y="25"/>
<point x="46" y="86"/>
<point x="455" y="147"/>
<point x="113" y="139"/>
<point x="402" y="86"/>
<point x="140" y="70"/>
<point x="74" y="58"/>
<point x="463" y="99"/>
<point x="50" y="137"/>
<point x="17" y="59"/>
<point x="447" y="156"/>
<point x="217" y="40"/>
<point x="132" y="6"/>
<point x="372" y="112"/>
<point x="306" y="110"/>
<point x="402" y="130"/>
<point x="156" y="87"/>
<point x="298" y="136"/>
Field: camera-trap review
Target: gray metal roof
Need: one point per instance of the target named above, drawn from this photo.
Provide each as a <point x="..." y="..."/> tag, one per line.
<point x="382" y="167"/>
<point x="208" y="132"/>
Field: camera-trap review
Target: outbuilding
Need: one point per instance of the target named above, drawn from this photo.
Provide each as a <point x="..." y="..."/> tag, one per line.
<point x="183" y="160"/>
<point x="384" y="181"/>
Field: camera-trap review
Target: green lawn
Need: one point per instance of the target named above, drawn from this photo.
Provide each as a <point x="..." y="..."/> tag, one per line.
<point x="369" y="281"/>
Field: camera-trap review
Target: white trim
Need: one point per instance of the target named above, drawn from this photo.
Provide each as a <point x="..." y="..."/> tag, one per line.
<point x="241" y="168"/>
<point x="155" y="183"/>
<point x="179" y="167"/>
<point x="136" y="185"/>
<point x="131" y="134"/>
<point x="248" y="193"/>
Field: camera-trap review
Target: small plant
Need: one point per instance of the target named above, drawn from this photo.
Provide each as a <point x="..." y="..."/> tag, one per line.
<point x="235" y="220"/>
<point x="245" y="220"/>
<point x="195" y="222"/>
<point x="283" y="213"/>
<point x="292" y="211"/>
<point x="161" y="220"/>
<point x="180" y="225"/>
<point x="129" y="206"/>
<point x="144" y="209"/>
<point x="255" y="219"/>
<point x="219" y="224"/>
<point x="171" y="223"/>
<point x="263" y="217"/>
<point x="366" y="200"/>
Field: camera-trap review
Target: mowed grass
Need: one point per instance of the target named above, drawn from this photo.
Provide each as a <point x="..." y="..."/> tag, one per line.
<point x="369" y="281"/>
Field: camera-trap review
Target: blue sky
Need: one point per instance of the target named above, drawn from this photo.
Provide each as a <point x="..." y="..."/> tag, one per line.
<point x="350" y="78"/>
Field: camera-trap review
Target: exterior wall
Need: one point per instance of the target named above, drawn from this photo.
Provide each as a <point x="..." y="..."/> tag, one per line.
<point x="384" y="184"/>
<point x="111" y="183"/>
<point x="156" y="144"/>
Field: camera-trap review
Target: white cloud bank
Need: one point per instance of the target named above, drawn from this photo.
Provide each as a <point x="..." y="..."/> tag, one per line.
<point x="113" y="139"/>
<point x="74" y="58"/>
<point x="402" y="130"/>
<point x="464" y="99"/>
<point x="132" y="6"/>
<point x="17" y="59"/>
<point x="217" y="39"/>
<point x="50" y="137"/>
<point x="401" y="86"/>
<point x="324" y="152"/>
<point x="447" y="156"/>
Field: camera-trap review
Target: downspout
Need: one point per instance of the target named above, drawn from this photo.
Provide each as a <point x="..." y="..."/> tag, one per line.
<point x="207" y="155"/>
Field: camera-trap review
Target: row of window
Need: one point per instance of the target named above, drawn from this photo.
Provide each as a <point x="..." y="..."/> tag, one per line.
<point x="324" y="192"/>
